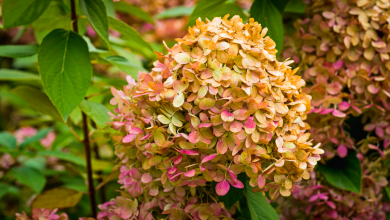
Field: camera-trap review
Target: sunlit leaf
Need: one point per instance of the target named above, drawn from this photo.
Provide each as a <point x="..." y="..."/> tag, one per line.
<point x="133" y="10"/>
<point x="125" y="65"/>
<point x="175" y="12"/>
<point x="97" y="112"/>
<point x="17" y="75"/>
<point x="57" y="198"/>
<point x="63" y="156"/>
<point x="15" y="51"/>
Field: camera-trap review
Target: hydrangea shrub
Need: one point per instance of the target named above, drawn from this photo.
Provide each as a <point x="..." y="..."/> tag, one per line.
<point x="217" y="105"/>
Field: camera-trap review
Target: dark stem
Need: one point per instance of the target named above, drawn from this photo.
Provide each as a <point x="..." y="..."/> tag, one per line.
<point x="100" y="173"/>
<point x="87" y="147"/>
<point x="86" y="142"/>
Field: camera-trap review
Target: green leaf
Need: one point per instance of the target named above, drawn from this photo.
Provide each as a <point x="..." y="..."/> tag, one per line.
<point x="22" y="12"/>
<point x="55" y="16"/>
<point x="133" y="10"/>
<point x="109" y="8"/>
<point x="97" y="112"/>
<point x="65" y="69"/>
<point x="7" y="140"/>
<point x="343" y="173"/>
<point x="280" y="4"/>
<point x="38" y="136"/>
<point x="63" y="156"/>
<point x="96" y="13"/>
<point x="264" y="12"/>
<point x="295" y="6"/>
<point x="125" y="65"/>
<point x="16" y="75"/>
<point x="57" y="198"/>
<point x="129" y="33"/>
<point x="203" y="9"/>
<point x="16" y="51"/>
<point x="30" y="177"/>
<point x="258" y="205"/>
<point x="5" y="188"/>
<point x="175" y="12"/>
<point x="234" y="193"/>
<point x="210" y="9"/>
<point x="38" y="100"/>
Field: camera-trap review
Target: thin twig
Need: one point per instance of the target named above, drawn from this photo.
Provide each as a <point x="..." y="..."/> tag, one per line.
<point x="86" y="142"/>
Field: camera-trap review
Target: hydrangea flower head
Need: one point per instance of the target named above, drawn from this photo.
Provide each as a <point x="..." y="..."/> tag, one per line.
<point x="217" y="105"/>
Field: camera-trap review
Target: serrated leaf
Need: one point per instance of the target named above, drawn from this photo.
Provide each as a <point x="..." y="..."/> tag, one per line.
<point x="130" y="34"/>
<point x="96" y="13"/>
<point x="30" y="177"/>
<point x="57" y="198"/>
<point x="125" y="65"/>
<point x="133" y="10"/>
<point x="217" y="8"/>
<point x="7" y="140"/>
<point x="65" y="69"/>
<point x="343" y="173"/>
<point x="16" y="51"/>
<point x="175" y="12"/>
<point x="38" y="136"/>
<point x="97" y="112"/>
<point x="38" y="100"/>
<point x="63" y="156"/>
<point x="16" y="75"/>
<point x="258" y="205"/>
<point x="22" y="12"/>
<point x="264" y="12"/>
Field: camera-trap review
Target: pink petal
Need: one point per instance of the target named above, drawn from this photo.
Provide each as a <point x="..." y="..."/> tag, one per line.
<point x="261" y="181"/>
<point x="236" y="127"/>
<point x="379" y="132"/>
<point x="222" y="146"/>
<point x="194" y="137"/>
<point x="209" y="157"/>
<point x="239" y="184"/>
<point x="191" y="152"/>
<point x="135" y="131"/>
<point x="178" y="159"/>
<point x="344" y="106"/>
<point x="233" y="176"/>
<point x="146" y="178"/>
<point x="342" y="151"/>
<point x="249" y="123"/>
<point x="190" y="173"/>
<point x="129" y="138"/>
<point x="205" y="125"/>
<point x="146" y="137"/>
<point x="326" y="111"/>
<point x="222" y="188"/>
<point x="338" y="113"/>
<point x="337" y="65"/>
<point x="227" y="117"/>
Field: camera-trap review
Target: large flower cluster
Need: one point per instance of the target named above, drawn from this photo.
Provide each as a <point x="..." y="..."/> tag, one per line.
<point x="218" y="104"/>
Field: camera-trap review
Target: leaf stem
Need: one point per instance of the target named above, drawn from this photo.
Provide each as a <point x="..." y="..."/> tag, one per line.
<point x="86" y="142"/>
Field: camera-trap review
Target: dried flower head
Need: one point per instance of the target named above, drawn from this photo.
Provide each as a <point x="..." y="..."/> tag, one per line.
<point x="217" y="105"/>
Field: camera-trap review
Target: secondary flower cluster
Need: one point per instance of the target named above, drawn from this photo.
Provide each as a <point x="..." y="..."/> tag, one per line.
<point x="344" y="57"/>
<point x="329" y="203"/>
<point x="343" y="51"/>
<point x="38" y="214"/>
<point x="218" y="104"/>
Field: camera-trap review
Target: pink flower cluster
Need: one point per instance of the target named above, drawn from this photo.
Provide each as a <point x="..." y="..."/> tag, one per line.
<point x="39" y="214"/>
